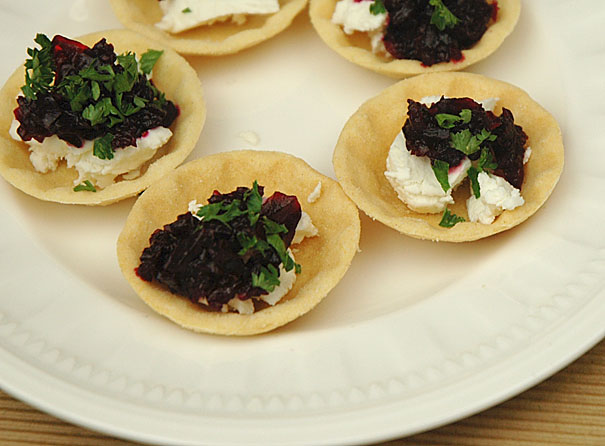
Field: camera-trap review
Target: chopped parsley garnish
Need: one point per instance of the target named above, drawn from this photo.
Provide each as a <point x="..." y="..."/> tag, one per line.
<point x="441" y="169"/>
<point x="467" y="143"/>
<point x="254" y="202"/>
<point x="472" y="173"/>
<point x="86" y="185"/>
<point x="221" y="211"/>
<point x="442" y="17"/>
<point x="39" y="74"/>
<point x="447" y="121"/>
<point x="449" y="220"/>
<point x="226" y="212"/>
<point x="267" y="279"/>
<point x="377" y="7"/>
<point x="149" y="59"/>
<point x="102" y="147"/>
<point x="186" y="10"/>
<point x="486" y="161"/>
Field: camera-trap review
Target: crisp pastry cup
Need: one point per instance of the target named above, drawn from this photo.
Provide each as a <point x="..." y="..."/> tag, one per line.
<point x="213" y="40"/>
<point x="171" y="75"/>
<point x="324" y="258"/>
<point x="357" y="49"/>
<point x="362" y="149"/>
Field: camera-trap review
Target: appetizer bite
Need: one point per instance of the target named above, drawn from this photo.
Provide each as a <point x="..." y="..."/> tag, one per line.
<point x="208" y="27"/>
<point x="89" y="126"/>
<point x="238" y="243"/>
<point x="450" y="156"/>
<point x="406" y="37"/>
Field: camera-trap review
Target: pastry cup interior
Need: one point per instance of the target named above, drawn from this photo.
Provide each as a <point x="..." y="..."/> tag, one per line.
<point x="324" y="258"/>
<point x="356" y="47"/>
<point x="172" y="74"/>
<point x="362" y="148"/>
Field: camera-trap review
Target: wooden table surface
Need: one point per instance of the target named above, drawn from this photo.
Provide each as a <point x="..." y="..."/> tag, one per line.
<point x="567" y="409"/>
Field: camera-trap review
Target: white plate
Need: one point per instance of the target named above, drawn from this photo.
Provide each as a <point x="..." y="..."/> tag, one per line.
<point x="417" y="334"/>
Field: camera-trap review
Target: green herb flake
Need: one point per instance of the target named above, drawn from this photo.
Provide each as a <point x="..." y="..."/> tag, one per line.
<point x="473" y="173"/>
<point x="464" y="141"/>
<point x="466" y="114"/>
<point x="442" y="17"/>
<point x="39" y="74"/>
<point x="485" y="135"/>
<point x="447" y="121"/>
<point x="148" y="60"/>
<point x="377" y="7"/>
<point x="272" y="227"/>
<point x="86" y="185"/>
<point x="221" y="211"/>
<point x="273" y="230"/>
<point x="247" y="243"/>
<point x="486" y="160"/>
<point x="467" y="143"/>
<point x="441" y="169"/>
<point x="267" y="279"/>
<point x="95" y="90"/>
<point x="449" y="220"/>
<point x="102" y="147"/>
<point x="254" y="202"/>
<point x="186" y="10"/>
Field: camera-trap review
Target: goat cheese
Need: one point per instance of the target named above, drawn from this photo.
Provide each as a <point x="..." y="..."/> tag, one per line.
<point x="526" y="155"/>
<point x="413" y="179"/>
<point x="497" y="195"/>
<point x="356" y="16"/>
<point x="314" y="196"/>
<point x="46" y="155"/>
<point x="305" y="228"/>
<point x="181" y="15"/>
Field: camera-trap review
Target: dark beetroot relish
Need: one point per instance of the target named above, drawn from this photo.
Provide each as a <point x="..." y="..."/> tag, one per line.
<point x="202" y="259"/>
<point x="410" y="35"/>
<point x="51" y="114"/>
<point x="424" y="136"/>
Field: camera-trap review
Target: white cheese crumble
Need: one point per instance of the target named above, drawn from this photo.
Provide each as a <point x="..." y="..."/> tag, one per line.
<point x="526" y="155"/>
<point x="497" y="195"/>
<point x="305" y="228"/>
<point x="356" y="16"/>
<point x="181" y="15"/>
<point x="314" y="196"/>
<point x="46" y="155"/>
<point x="194" y="207"/>
<point x="414" y="180"/>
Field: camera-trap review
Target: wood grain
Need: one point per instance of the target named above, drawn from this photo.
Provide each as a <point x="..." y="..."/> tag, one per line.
<point x="565" y="410"/>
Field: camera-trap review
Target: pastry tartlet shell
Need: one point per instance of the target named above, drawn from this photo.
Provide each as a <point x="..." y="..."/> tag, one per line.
<point x="356" y="47"/>
<point x="362" y="149"/>
<point x="324" y="258"/>
<point x="213" y="40"/>
<point x="172" y="74"/>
